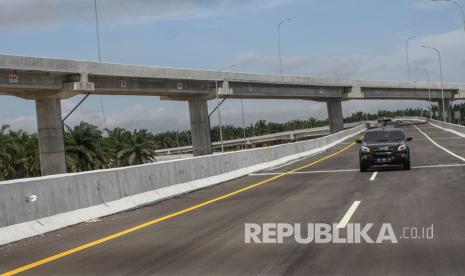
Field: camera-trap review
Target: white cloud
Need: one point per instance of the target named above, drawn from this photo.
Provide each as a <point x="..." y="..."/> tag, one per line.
<point x="26" y="123"/>
<point x="46" y="12"/>
<point x="159" y="117"/>
<point x="381" y="66"/>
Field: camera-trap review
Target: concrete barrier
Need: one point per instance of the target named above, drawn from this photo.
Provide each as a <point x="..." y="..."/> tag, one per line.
<point x="453" y="128"/>
<point x="419" y="119"/>
<point x="37" y="205"/>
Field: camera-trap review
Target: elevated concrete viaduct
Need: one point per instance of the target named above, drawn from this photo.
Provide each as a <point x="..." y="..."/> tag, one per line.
<point x="47" y="81"/>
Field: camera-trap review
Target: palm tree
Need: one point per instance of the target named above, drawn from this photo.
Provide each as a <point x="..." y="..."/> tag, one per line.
<point x="83" y="148"/>
<point x="5" y="156"/>
<point x="139" y="149"/>
<point x="113" y="143"/>
<point x="24" y="148"/>
<point x="19" y="154"/>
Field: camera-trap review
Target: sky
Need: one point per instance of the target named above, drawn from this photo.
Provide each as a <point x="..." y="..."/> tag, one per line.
<point x="355" y="39"/>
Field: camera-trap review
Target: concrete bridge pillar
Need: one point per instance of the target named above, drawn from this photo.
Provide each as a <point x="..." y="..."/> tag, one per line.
<point x="50" y="132"/>
<point x="200" y="127"/>
<point x="335" y="117"/>
<point x="448" y="110"/>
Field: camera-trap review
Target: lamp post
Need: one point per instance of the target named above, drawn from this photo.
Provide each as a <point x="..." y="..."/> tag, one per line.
<point x="97" y="31"/>
<point x="279" y="44"/>
<point x="218" y="105"/>
<point x="243" y="124"/>
<point x="407" y="55"/>
<point x="99" y="55"/>
<point x="429" y="89"/>
<point x="458" y="5"/>
<point x="440" y="73"/>
<point x="461" y="12"/>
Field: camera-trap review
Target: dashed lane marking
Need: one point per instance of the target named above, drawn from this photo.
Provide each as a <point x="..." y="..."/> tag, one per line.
<point x="373" y="176"/>
<point x="348" y="215"/>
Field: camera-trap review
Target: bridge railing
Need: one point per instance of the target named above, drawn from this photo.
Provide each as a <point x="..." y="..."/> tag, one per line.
<point x="293" y="135"/>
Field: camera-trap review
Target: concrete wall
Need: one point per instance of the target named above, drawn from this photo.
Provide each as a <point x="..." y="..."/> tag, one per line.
<point x="454" y="128"/>
<point x="66" y="193"/>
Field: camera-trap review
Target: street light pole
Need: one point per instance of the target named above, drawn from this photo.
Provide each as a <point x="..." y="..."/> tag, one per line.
<point x="218" y="105"/>
<point x="99" y="58"/>
<point x="99" y="55"/>
<point x="243" y="124"/>
<point x="407" y="55"/>
<point x="279" y="44"/>
<point x="458" y="5"/>
<point x="97" y="32"/>
<point x="429" y="94"/>
<point x="429" y="90"/>
<point x="463" y="19"/>
<point x="440" y="72"/>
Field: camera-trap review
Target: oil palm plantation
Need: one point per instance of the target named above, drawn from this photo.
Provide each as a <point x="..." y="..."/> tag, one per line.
<point x="19" y="154"/>
<point x="138" y="149"/>
<point x="83" y="148"/>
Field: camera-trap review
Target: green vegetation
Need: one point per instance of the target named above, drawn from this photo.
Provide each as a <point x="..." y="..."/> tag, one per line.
<point x="88" y="148"/>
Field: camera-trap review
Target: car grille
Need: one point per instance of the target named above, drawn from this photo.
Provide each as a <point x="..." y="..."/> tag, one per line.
<point x="385" y="149"/>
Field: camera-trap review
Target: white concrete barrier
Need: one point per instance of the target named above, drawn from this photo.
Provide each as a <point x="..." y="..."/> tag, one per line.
<point x="33" y="206"/>
<point x="453" y="128"/>
<point x="419" y="119"/>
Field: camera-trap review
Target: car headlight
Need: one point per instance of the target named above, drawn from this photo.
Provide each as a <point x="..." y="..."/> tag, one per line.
<point x="366" y="149"/>
<point x="402" y="147"/>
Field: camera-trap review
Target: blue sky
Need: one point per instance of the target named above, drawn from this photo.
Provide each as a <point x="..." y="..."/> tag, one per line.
<point x="360" y="39"/>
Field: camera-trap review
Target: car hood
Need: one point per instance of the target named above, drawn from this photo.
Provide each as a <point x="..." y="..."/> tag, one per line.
<point x="384" y="144"/>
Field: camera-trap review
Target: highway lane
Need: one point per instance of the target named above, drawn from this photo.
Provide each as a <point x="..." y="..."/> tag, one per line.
<point x="210" y="240"/>
<point x="415" y="198"/>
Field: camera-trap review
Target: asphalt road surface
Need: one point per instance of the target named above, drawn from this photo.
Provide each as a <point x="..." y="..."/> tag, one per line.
<point x="208" y="239"/>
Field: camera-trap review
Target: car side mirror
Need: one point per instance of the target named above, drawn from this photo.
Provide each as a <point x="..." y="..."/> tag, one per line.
<point x="409" y="139"/>
<point x="359" y="141"/>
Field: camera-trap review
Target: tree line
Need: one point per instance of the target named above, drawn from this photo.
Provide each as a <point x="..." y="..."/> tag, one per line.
<point x="89" y="148"/>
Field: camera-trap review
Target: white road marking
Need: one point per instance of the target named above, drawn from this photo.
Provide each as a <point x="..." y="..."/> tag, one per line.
<point x="373" y="176"/>
<point x="440" y="138"/>
<point x="348" y="215"/>
<point x="439" y="146"/>
<point x="439" y="166"/>
<point x="356" y="170"/>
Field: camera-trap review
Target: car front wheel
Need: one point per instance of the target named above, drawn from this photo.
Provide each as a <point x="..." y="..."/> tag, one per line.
<point x="363" y="167"/>
<point x="407" y="165"/>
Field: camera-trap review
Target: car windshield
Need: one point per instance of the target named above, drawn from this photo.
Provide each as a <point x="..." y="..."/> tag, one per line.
<point x="384" y="136"/>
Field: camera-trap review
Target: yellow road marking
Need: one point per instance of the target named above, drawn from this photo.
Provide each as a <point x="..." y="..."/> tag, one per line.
<point x="155" y="221"/>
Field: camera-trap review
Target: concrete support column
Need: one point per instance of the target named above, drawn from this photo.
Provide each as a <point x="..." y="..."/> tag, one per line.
<point x="51" y="140"/>
<point x="335" y="117"/>
<point x="200" y="127"/>
<point x="448" y="110"/>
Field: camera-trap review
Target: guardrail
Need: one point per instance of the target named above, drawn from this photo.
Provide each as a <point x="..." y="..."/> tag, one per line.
<point x="294" y="135"/>
<point x="37" y="205"/>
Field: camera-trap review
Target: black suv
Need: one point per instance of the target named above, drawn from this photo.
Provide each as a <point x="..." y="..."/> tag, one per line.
<point x="384" y="146"/>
